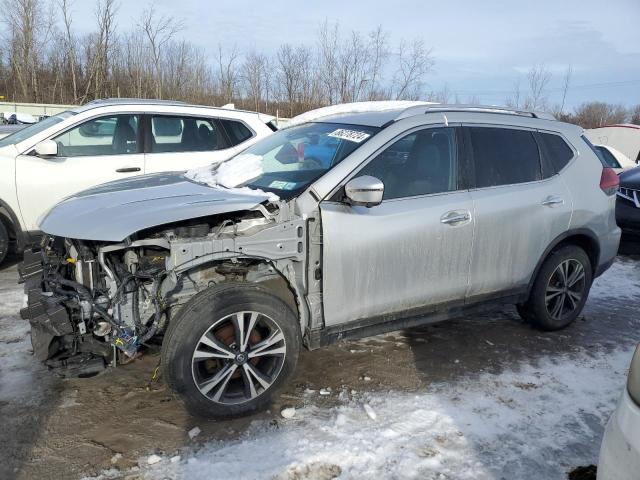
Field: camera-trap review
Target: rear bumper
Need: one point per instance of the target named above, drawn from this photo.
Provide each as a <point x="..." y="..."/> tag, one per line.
<point x="620" y="451"/>
<point x="609" y="245"/>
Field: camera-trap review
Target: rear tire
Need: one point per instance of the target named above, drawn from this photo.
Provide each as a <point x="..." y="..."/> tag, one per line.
<point x="230" y="349"/>
<point x="560" y="290"/>
<point x="4" y="241"/>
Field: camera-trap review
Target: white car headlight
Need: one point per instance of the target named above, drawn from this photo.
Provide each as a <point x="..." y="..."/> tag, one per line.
<point x="633" y="383"/>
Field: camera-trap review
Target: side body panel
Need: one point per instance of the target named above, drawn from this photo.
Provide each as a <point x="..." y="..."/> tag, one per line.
<point x="393" y="257"/>
<point x="513" y="229"/>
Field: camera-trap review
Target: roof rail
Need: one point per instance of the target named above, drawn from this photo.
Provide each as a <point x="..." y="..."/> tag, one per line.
<point x="150" y="101"/>
<point x="440" y="107"/>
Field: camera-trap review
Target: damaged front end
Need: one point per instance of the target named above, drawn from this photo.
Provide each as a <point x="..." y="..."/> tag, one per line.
<point x="84" y="308"/>
<point x="92" y="304"/>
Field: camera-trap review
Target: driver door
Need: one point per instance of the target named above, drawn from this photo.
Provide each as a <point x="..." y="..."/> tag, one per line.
<point x="97" y="151"/>
<point x="411" y="251"/>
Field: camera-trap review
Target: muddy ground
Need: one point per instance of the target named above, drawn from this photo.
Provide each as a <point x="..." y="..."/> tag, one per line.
<point x="53" y="428"/>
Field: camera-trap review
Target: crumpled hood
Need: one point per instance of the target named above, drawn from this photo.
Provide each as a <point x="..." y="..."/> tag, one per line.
<point x="630" y="178"/>
<point x="115" y="210"/>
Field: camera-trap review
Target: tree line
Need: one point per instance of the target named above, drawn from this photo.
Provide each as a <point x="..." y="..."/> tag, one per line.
<point x="44" y="59"/>
<point x="535" y="96"/>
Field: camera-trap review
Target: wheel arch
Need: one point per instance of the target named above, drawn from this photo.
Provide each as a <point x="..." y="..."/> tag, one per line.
<point x="11" y="221"/>
<point x="273" y="280"/>
<point x="583" y="238"/>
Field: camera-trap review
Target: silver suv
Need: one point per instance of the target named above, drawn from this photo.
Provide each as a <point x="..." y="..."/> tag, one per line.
<point x="345" y="225"/>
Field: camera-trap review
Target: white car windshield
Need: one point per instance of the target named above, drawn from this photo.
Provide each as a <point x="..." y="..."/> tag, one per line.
<point x="31" y="130"/>
<point x="288" y="161"/>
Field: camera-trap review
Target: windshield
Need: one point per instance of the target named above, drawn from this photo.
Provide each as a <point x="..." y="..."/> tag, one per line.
<point x="292" y="159"/>
<point x="31" y="130"/>
<point x="288" y="161"/>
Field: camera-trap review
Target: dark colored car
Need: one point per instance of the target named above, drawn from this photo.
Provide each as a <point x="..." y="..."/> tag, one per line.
<point x="628" y="201"/>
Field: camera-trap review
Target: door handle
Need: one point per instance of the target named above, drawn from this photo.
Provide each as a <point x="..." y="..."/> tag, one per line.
<point x="552" y="201"/>
<point x="128" y="169"/>
<point x="455" y="217"/>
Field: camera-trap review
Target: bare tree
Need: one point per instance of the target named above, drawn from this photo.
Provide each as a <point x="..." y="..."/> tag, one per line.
<point x="69" y="45"/>
<point x="254" y="75"/>
<point x="328" y="44"/>
<point x="598" y="114"/>
<point x="538" y="79"/>
<point x="100" y="49"/>
<point x="634" y="115"/>
<point x="228" y="76"/>
<point x="379" y="53"/>
<point x="159" y="31"/>
<point x="442" y="96"/>
<point x="293" y="66"/>
<point x="28" y="31"/>
<point x="566" y="80"/>
<point x="414" y="62"/>
<point x="473" y="100"/>
<point x="514" y="100"/>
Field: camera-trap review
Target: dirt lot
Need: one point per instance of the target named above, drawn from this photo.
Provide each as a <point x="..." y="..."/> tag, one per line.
<point x="54" y="428"/>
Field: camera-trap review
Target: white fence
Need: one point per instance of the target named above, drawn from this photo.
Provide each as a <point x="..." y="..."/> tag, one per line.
<point x="35" y="109"/>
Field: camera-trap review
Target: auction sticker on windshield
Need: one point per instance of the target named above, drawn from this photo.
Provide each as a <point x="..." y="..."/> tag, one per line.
<point x="350" y="135"/>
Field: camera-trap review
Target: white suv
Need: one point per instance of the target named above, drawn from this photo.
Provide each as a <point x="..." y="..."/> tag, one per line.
<point x="109" y="140"/>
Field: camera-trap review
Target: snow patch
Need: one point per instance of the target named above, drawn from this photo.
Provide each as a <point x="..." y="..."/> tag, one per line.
<point x="622" y="280"/>
<point x="289" y="412"/>
<point x="370" y="412"/>
<point x="356" y="107"/>
<point x="485" y="427"/>
<point x="237" y="171"/>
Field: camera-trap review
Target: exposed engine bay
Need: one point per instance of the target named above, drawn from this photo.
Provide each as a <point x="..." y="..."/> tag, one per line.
<point x="93" y="304"/>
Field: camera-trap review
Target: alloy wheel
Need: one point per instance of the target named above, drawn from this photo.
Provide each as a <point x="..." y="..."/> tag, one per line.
<point x="565" y="289"/>
<point x="238" y="358"/>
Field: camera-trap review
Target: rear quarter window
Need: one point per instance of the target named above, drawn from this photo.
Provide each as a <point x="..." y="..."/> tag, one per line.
<point x="595" y="151"/>
<point x="556" y="150"/>
<point x="238" y="132"/>
<point x="608" y="157"/>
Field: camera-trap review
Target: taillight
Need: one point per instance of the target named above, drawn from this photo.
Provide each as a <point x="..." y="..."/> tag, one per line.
<point x="609" y="181"/>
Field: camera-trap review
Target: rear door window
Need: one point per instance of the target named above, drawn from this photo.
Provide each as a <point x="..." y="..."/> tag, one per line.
<point x="186" y="134"/>
<point x="503" y="156"/>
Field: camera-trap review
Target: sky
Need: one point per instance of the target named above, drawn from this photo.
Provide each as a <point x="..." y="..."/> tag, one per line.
<point x="481" y="48"/>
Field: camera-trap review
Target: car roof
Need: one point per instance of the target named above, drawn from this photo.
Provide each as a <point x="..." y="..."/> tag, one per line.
<point x="379" y="114"/>
<point x="369" y="119"/>
<point x="109" y="102"/>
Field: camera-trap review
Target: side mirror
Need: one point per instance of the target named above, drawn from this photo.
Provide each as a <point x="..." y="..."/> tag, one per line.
<point x="366" y="191"/>
<point x="46" y="148"/>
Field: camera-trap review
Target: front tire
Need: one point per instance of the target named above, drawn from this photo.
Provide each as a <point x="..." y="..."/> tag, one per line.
<point x="560" y="290"/>
<point x="230" y="349"/>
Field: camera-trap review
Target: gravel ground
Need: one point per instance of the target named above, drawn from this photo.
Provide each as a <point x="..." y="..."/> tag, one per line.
<point x="472" y="396"/>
